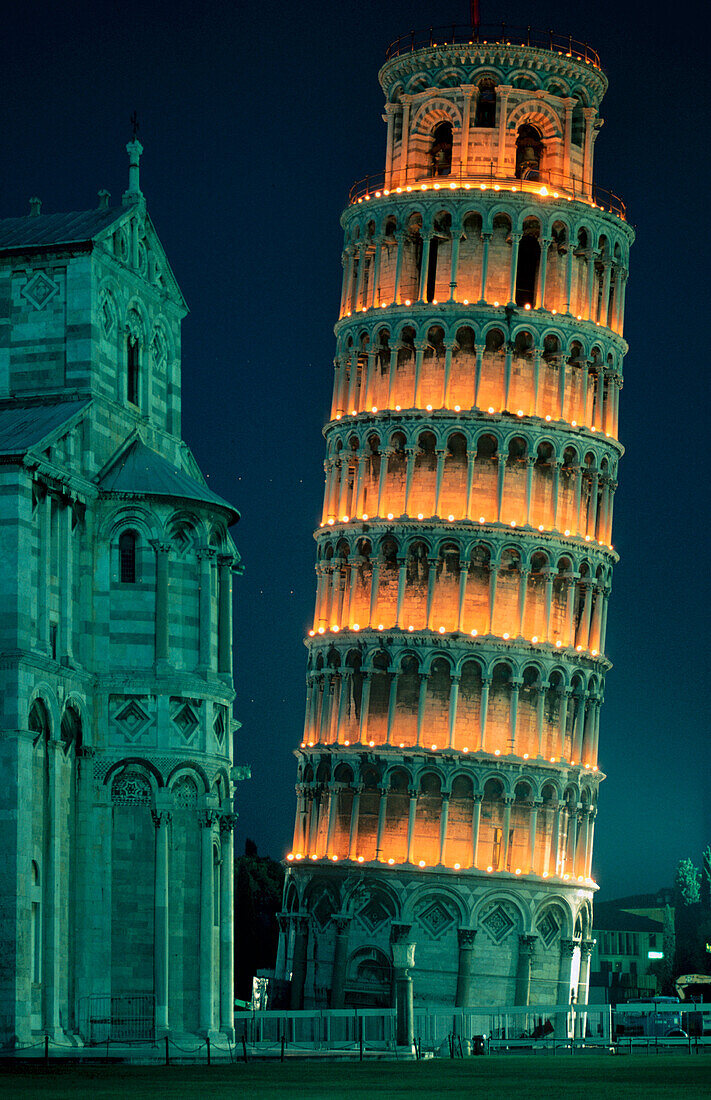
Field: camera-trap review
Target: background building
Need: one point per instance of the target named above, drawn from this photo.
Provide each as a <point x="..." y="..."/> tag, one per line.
<point x="447" y="781"/>
<point x="630" y="942"/>
<point x="115" y="642"/>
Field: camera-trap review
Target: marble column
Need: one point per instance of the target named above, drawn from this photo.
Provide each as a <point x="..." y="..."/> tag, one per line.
<point x="526" y="945"/>
<point x="161" y="820"/>
<point x="162" y="550"/>
<point x="206" y="557"/>
<point x="224" y="629"/>
<point x="227" y="992"/>
<point x="464" y="996"/>
<point x="207" y="921"/>
<point x="403" y="961"/>
<point x="298" y="967"/>
<point x="342" y="923"/>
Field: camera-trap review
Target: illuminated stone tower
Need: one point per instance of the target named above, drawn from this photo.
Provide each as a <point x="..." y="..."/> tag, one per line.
<point x="448" y="776"/>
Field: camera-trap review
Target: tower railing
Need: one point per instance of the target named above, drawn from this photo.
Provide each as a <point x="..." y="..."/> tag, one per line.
<point x="538" y="182"/>
<point x="498" y="33"/>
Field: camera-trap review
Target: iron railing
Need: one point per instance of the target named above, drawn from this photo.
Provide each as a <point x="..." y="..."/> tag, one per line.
<point x="501" y="33"/>
<point x="553" y="183"/>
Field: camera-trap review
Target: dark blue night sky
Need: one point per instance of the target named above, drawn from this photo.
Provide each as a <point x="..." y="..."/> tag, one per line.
<point x="256" y="118"/>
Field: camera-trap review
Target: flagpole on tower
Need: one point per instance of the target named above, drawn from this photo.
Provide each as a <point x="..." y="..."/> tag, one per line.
<point x="474" y="10"/>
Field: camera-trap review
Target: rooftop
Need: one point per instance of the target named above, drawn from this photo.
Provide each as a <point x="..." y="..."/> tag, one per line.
<point x="500" y="33"/>
<point x="38" y="230"/>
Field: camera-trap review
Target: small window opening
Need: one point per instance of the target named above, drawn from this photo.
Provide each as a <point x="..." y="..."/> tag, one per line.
<point x="441" y="149"/>
<point x="132" y="368"/>
<point x="529" y="254"/>
<point x="432" y="269"/>
<point x="127" y="557"/>
<point x="53" y="632"/>
<point x="486" y="105"/>
<point x="529" y="152"/>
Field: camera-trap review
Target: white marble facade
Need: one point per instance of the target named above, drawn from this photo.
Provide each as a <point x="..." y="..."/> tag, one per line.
<point x="116" y="802"/>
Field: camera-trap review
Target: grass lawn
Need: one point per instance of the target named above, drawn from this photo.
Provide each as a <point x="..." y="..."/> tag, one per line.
<point x="652" y="1077"/>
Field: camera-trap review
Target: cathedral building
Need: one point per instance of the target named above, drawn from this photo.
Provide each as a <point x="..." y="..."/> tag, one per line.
<point x="448" y="772"/>
<point x="116" y="886"/>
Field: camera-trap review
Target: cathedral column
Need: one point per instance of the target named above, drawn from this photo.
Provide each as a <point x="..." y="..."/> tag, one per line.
<point x="403" y="961"/>
<point x="300" y="823"/>
<point x="486" y="238"/>
<point x="162" y="550"/>
<point x="444" y="819"/>
<point x="207" y="920"/>
<point x="227" y="926"/>
<point x="421" y="704"/>
<point x="513" y="713"/>
<point x="485" y="682"/>
<point x="523" y="969"/>
<point x="333" y="789"/>
<point x="568" y="105"/>
<point x="298" y="966"/>
<point x="224" y="619"/>
<point x="391" y="110"/>
<point x="161" y="820"/>
<point x="453" y="697"/>
<point x="44" y="508"/>
<point x="541" y="287"/>
<point x="589" y="116"/>
<point x="532" y="830"/>
<point x="355" y="812"/>
<point x="405" y="139"/>
<point x="382" y="814"/>
<point x="382" y="477"/>
<point x="206" y="556"/>
<point x="454" y="269"/>
<point x="476" y="821"/>
<point x="515" y="241"/>
<point x="503" y="96"/>
<point x="411" y="823"/>
<point x="364" y="707"/>
<point x="342" y="923"/>
<point x="66" y="580"/>
<point x="464" y="997"/>
<point x="424" y="272"/>
<point x="523" y="576"/>
<point x="392" y="703"/>
<point x="51" y="965"/>
<point x="564" y="990"/>
<point x="586" y="950"/>
<point x="401" y="582"/>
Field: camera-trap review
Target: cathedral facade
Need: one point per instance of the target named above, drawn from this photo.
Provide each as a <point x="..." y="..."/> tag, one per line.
<point x="116" y="887"/>
<point x="448" y="771"/>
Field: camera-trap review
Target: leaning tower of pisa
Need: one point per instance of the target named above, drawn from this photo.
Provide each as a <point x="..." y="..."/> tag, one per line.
<point x="448" y="771"/>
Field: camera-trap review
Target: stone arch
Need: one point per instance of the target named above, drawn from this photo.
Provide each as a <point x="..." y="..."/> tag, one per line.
<point x="535" y="112"/>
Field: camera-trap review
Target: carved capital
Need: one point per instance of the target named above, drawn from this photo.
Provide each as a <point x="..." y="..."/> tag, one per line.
<point x="228" y="822"/>
<point x="526" y="944"/>
<point x="567" y="948"/>
<point x="161" y="817"/>
<point x="208" y="818"/>
<point x="466" y="937"/>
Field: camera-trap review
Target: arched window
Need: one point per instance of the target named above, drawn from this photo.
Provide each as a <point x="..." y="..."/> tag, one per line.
<point x="441" y="149"/>
<point x="132" y="370"/>
<point x="486" y="104"/>
<point x="529" y="152"/>
<point x="529" y="255"/>
<point x="127" y="557"/>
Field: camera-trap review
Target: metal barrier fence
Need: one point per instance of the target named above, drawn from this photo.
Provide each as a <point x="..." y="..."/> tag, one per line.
<point x="126" y="1017"/>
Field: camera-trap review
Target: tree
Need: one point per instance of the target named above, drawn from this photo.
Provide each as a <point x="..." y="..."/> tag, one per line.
<point x="686" y="884"/>
<point x="705" y="889"/>
<point x="259" y="883"/>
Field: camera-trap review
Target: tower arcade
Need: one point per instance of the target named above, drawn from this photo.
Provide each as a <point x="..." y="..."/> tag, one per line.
<point x="448" y="771"/>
